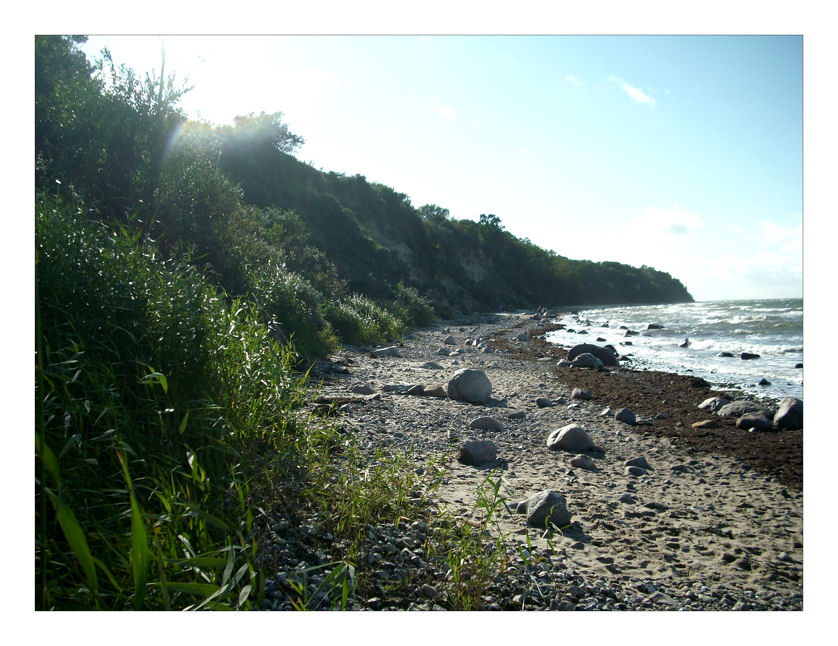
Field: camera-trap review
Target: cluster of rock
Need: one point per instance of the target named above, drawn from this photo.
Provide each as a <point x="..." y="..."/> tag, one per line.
<point x="753" y="416"/>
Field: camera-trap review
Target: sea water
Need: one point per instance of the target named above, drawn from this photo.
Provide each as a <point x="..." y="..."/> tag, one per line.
<point x="772" y="329"/>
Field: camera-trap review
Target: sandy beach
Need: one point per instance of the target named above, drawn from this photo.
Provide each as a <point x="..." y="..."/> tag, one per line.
<point x="713" y="521"/>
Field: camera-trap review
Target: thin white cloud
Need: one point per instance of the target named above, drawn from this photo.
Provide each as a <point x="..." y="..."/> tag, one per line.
<point x="635" y="93"/>
<point x="443" y="110"/>
<point x="574" y="80"/>
<point x="675" y="220"/>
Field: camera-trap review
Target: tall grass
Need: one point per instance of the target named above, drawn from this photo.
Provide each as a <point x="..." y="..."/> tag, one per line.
<point x="154" y="401"/>
<point x="359" y="320"/>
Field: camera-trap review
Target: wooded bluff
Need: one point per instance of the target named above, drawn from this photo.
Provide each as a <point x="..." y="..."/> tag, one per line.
<point x="305" y="246"/>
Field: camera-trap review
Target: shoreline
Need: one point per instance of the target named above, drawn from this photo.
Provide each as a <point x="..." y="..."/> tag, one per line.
<point x="712" y="524"/>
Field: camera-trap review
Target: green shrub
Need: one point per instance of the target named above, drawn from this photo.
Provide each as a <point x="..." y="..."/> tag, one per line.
<point x="357" y="319"/>
<point x="290" y="300"/>
<point x="412" y="308"/>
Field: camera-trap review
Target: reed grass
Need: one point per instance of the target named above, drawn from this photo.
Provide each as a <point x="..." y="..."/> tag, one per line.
<point x="152" y="393"/>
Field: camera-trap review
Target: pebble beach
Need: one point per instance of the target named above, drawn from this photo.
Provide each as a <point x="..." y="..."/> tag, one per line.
<point x="676" y="509"/>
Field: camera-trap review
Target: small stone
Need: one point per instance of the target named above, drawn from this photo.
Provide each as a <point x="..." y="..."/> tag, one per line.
<point x="486" y="424"/>
<point x="547" y="507"/>
<point x="390" y="351"/>
<point x="583" y="462"/>
<point x="477" y="452"/>
<point x="713" y="404"/>
<point x="660" y="597"/>
<point x="634" y="471"/>
<point x="570" y="438"/>
<point x="626" y="416"/>
<point x="543" y="402"/>
<point x="639" y="461"/>
<point x="581" y="393"/>
<point x="434" y="390"/>
<point x="430" y="591"/>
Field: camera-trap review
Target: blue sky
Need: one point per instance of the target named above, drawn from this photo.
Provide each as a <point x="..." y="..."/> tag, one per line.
<point x="679" y="152"/>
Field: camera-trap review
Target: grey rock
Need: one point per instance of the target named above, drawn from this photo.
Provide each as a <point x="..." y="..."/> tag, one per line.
<point x="547" y="507"/>
<point x="759" y="421"/>
<point x="519" y="507"/>
<point x="442" y="352"/>
<point x="740" y="407"/>
<point x="583" y="462"/>
<point x="626" y="498"/>
<point x="570" y="438"/>
<point x="429" y="591"/>
<point x="587" y="360"/>
<point x="748" y="355"/>
<point x="431" y="365"/>
<point x="486" y="423"/>
<point x="713" y="404"/>
<point x="518" y="414"/>
<point x="634" y="471"/>
<point x="362" y="389"/>
<point x="434" y="390"/>
<point x="403" y="389"/>
<point x="471" y="385"/>
<point x="625" y="416"/>
<point x="449" y="340"/>
<point x="639" y="461"/>
<point x="789" y="415"/>
<point x="581" y="393"/>
<point x="665" y="599"/>
<point x="606" y="354"/>
<point x="543" y="402"/>
<point x="477" y="452"/>
<point x="390" y="351"/>
<point x="523" y="338"/>
<point x="564" y="363"/>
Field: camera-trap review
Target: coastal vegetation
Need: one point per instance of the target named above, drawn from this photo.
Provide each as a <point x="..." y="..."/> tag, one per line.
<point x="186" y="276"/>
